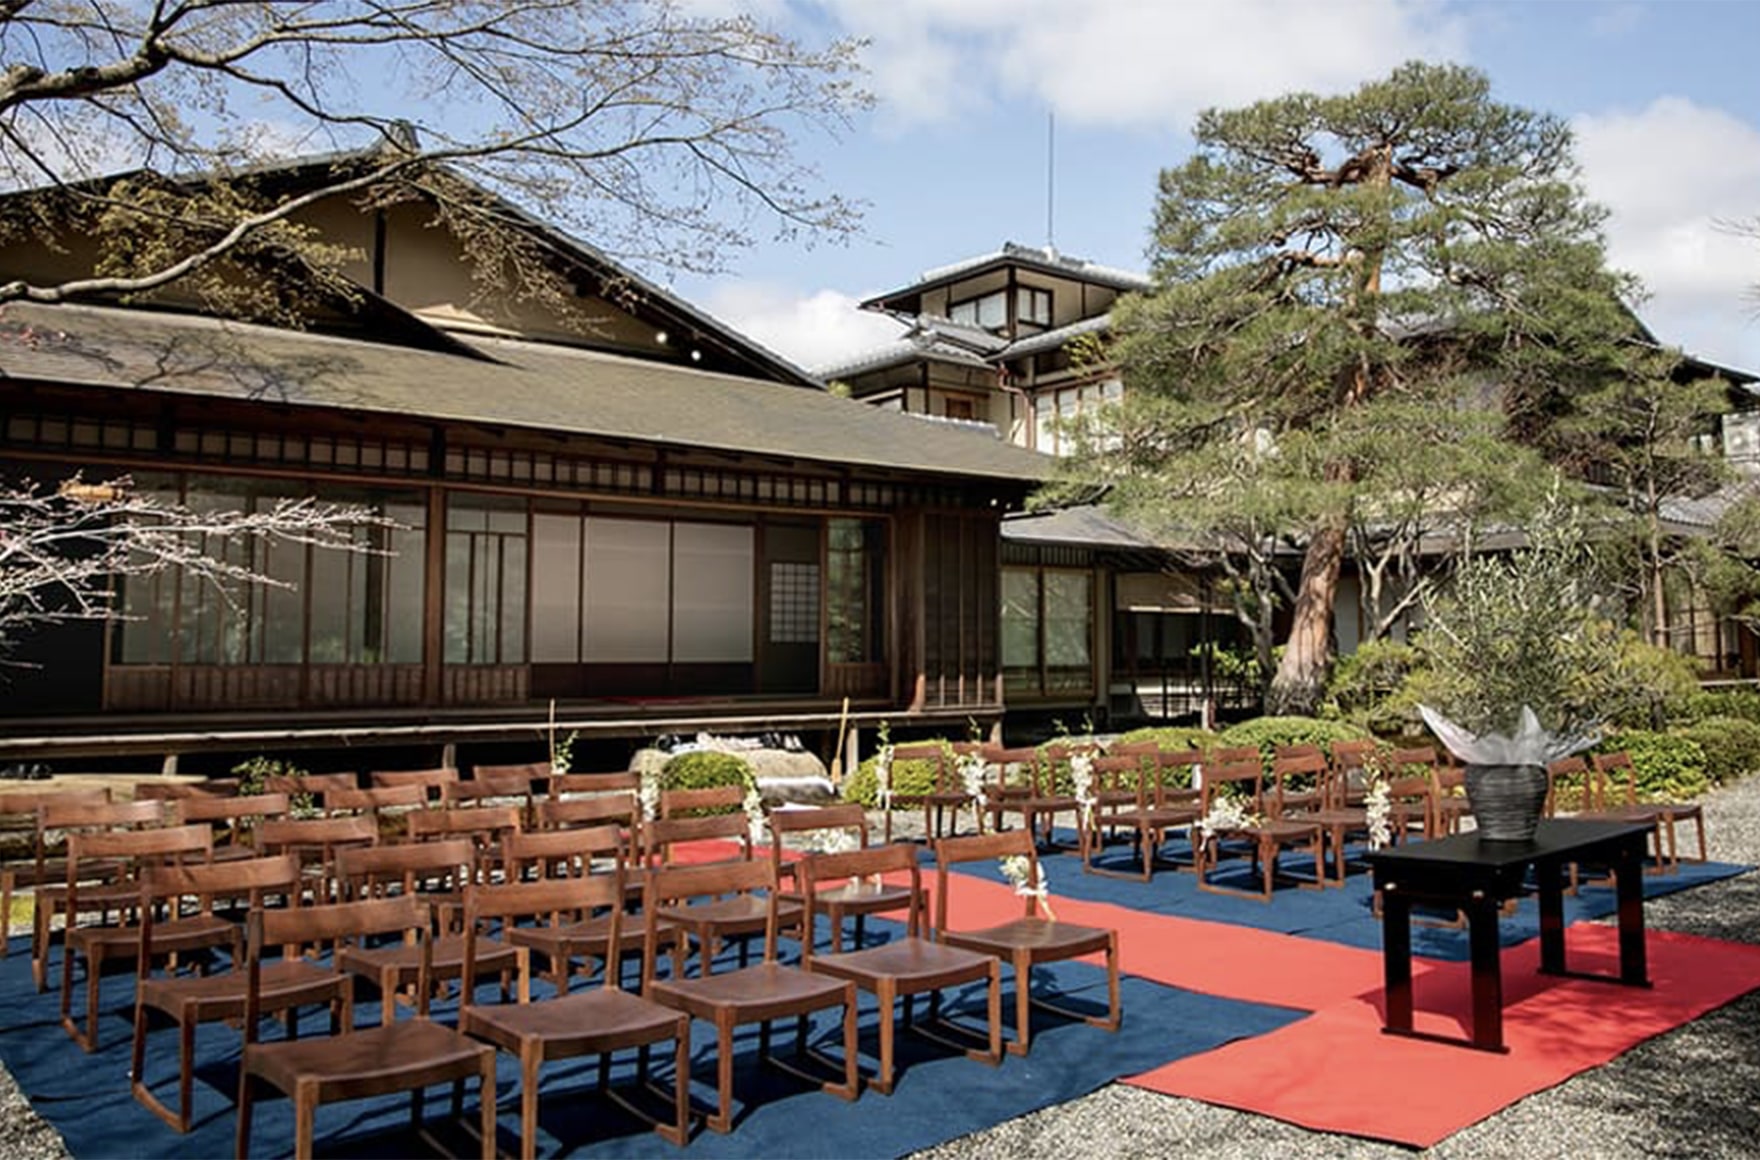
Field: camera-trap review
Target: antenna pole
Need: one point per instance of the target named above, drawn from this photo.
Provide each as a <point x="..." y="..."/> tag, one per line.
<point x="1050" y="178"/>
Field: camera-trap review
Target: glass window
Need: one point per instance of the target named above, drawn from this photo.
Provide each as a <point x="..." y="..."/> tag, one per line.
<point x="1033" y="305"/>
<point x="989" y="311"/>
<point x="855" y="566"/>
<point x="485" y="580"/>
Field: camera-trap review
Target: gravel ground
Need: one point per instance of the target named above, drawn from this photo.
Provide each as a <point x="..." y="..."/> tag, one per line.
<point x="1689" y="1093"/>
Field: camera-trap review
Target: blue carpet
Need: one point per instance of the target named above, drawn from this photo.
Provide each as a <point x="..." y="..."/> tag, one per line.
<point x="940" y="1093"/>
<point x="1336" y="914"/>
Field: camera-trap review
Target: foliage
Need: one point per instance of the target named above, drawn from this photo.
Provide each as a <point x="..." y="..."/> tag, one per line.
<point x="910" y="778"/>
<point x="254" y="774"/>
<point x="1171" y="737"/>
<point x="664" y="131"/>
<point x="1654" y="684"/>
<point x="1345" y="283"/>
<point x="1527" y="628"/>
<point x="1369" y="687"/>
<point x="707" y="769"/>
<point x="1731" y="746"/>
<point x="1707" y="703"/>
<point x="1669" y="767"/>
<point x="1270" y="732"/>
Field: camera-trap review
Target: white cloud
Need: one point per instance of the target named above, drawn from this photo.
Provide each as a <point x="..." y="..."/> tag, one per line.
<point x="1133" y="62"/>
<point x="814" y="329"/>
<point x="1671" y="173"/>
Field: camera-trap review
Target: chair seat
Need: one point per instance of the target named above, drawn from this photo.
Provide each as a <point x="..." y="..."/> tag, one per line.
<point x="586" y="1022"/>
<point x="739" y="914"/>
<point x="587" y="936"/>
<point x="860" y="898"/>
<point x="206" y="998"/>
<point x="760" y="991"/>
<point x="1338" y="816"/>
<point x="406" y="960"/>
<point x="914" y="964"/>
<point x="185" y="934"/>
<point x="1035" y="935"/>
<point x="1153" y="819"/>
<point x="1274" y="829"/>
<point x="375" y="1061"/>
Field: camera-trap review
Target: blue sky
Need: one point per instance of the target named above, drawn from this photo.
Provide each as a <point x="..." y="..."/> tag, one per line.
<point x="953" y="162"/>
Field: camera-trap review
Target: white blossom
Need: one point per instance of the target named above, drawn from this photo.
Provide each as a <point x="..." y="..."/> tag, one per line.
<point x="883" y="777"/>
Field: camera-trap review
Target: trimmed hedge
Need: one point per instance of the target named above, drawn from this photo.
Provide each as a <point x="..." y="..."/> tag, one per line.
<point x="909" y="778"/>
<point x="1171" y="737"/>
<point x="1670" y="767"/>
<point x="1270" y="732"/>
<point x="1707" y="704"/>
<point x="707" y="769"/>
<point x="1731" y="745"/>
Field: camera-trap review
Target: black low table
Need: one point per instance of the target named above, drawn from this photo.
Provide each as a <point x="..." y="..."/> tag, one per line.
<point x="1476" y="877"/>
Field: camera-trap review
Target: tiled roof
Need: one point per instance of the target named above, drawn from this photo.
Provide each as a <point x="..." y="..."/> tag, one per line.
<point x="533" y="385"/>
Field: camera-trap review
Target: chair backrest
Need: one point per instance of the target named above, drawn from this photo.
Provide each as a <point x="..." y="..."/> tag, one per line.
<point x="161" y="790"/>
<point x="549" y="901"/>
<point x="660" y="836"/>
<point x="166" y="885"/>
<point x="481" y="788"/>
<point x="378" y="798"/>
<point x="1567" y="778"/>
<point x="1616" y="781"/>
<point x="431" y="780"/>
<point x="1296" y="772"/>
<point x="930" y="751"/>
<point x="126" y="851"/>
<point x="1245" y="777"/>
<point x="411" y="868"/>
<point x="1398" y="759"/>
<point x="1124" y="772"/>
<point x="335" y="923"/>
<point x="674" y="802"/>
<point x="560" y="853"/>
<point x="566" y="813"/>
<point x="815" y="871"/>
<point x="950" y="852"/>
<point x="63" y="813"/>
<point x="486" y="823"/>
<point x="529" y="771"/>
<point x="562" y="784"/>
<point x="316" y="840"/>
<point x="667" y="885"/>
<point x="1349" y="755"/>
<point x="1176" y="769"/>
<point x="1303" y="749"/>
<point x="314" y="784"/>
<point x="26" y="805"/>
<point x="1024" y="760"/>
<point x="237" y="817"/>
<point x="812" y="819"/>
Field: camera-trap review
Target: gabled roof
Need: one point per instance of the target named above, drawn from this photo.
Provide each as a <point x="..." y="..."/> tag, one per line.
<point x="633" y="293"/>
<point x="1045" y="261"/>
<point x="532" y="385"/>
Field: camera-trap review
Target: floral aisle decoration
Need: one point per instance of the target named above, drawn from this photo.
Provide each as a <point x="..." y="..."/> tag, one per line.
<point x="754" y="808"/>
<point x="1081" y="773"/>
<point x="648" y="793"/>
<point x="1225" y="815"/>
<point x="973" y="770"/>
<point x="1378" y="808"/>
<point x="883" y="777"/>
<point x="1020" y="872"/>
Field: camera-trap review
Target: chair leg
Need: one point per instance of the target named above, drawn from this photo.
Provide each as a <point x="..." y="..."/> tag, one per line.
<point x="680" y="1131"/>
<point x="529" y="1063"/>
<point x="995" y="1010"/>
<point x="486" y="1106"/>
<point x="1023" y="985"/>
<point x="884" y="993"/>
<point x="303" y="1114"/>
<point x="722" y="1120"/>
<point x="246" y="1099"/>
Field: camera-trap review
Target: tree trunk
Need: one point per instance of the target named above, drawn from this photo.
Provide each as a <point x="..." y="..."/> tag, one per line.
<point x="1301" y="674"/>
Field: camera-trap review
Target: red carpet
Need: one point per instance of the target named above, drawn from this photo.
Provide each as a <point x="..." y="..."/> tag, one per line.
<point x="1336" y="1072"/>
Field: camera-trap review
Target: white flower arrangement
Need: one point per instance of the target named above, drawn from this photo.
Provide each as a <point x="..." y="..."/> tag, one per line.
<point x="883" y="777"/>
<point x="1019" y="870"/>
<point x="972" y="771"/>
<point x="1378" y="809"/>
<point x="834" y="840"/>
<point x="1225" y="815"/>
<point x="649" y="793"/>
<point x="754" y="807"/>
<point x="1081" y="773"/>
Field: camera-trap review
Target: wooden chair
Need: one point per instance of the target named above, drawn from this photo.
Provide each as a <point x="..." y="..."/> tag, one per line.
<point x="530" y="771"/>
<point x="432" y="781"/>
<point x="1319" y="800"/>
<point x="573" y="854"/>
<point x="563" y="785"/>
<point x="1154" y="809"/>
<point x="675" y="803"/>
<point x="854" y="899"/>
<point x="946" y="794"/>
<point x="101" y="890"/>
<point x="311" y="786"/>
<point x="710" y="922"/>
<point x="191" y="1000"/>
<point x="1350" y="761"/>
<point x="901" y="968"/>
<point x="103" y="942"/>
<point x="316" y="841"/>
<point x="404" y="1055"/>
<point x="1451" y="806"/>
<point x="1015" y="770"/>
<point x="1036" y="797"/>
<point x="437" y="873"/>
<point x="1617" y="793"/>
<point x="160" y="790"/>
<point x="388" y="806"/>
<point x="760" y="993"/>
<point x="1027" y="941"/>
<point x="234" y="819"/>
<point x="485" y="826"/>
<point x="494" y="790"/>
<point x="598" y="1022"/>
<point x="39" y="870"/>
<point x="1260" y="843"/>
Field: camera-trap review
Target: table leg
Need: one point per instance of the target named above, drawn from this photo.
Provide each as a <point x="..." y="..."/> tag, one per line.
<point x="1487" y="974"/>
<point x="1549" y="874"/>
<point x="1634" y="969"/>
<point x="1396" y="942"/>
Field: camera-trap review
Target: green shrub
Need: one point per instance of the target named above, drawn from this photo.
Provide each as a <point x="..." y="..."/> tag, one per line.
<point x="1706" y="703"/>
<point x="909" y="778"/>
<point x="254" y="774"/>
<point x="1658" y="683"/>
<point x="1371" y="687"/>
<point x="1731" y="745"/>
<point x="1171" y="737"/>
<point x="1269" y="732"/>
<point x="1669" y="767"/>
<point x="706" y="769"/>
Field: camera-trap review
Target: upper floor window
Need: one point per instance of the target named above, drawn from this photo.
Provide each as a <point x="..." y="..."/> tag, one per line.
<point x="989" y="311"/>
<point x="1032" y="305"/>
